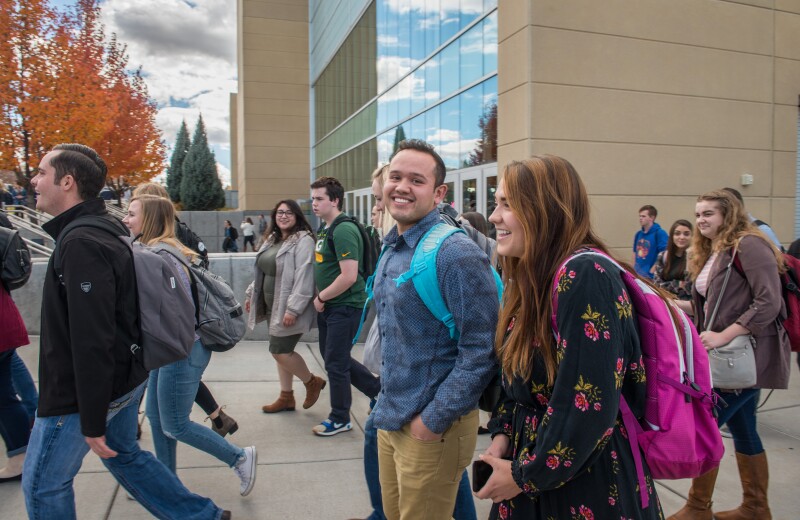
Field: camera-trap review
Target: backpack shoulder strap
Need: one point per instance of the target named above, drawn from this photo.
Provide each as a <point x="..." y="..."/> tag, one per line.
<point x="92" y="221"/>
<point x="423" y="274"/>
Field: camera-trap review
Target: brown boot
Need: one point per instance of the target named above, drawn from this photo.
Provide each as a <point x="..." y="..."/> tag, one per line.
<point x="754" y="474"/>
<point x="313" y="387"/>
<point x="285" y="403"/>
<point x="698" y="505"/>
<point x="229" y="424"/>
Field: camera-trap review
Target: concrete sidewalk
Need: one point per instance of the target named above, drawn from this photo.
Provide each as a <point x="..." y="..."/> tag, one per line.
<point x="304" y="476"/>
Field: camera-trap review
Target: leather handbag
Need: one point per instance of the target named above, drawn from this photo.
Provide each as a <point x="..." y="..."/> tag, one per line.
<point x="733" y="366"/>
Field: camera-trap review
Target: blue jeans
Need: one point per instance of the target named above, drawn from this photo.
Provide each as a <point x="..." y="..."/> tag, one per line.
<point x="169" y="401"/>
<point x="740" y="416"/>
<point x="15" y="426"/>
<point x="24" y="386"/>
<point x="337" y="326"/>
<point x="56" y="451"/>
<point x="465" y="504"/>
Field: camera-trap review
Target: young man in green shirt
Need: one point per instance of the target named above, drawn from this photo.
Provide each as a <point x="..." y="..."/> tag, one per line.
<point x="340" y="299"/>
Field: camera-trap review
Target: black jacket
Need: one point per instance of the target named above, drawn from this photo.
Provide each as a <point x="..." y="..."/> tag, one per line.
<point x="88" y="323"/>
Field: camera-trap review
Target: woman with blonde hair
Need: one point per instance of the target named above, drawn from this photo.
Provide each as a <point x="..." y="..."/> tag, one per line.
<point x="172" y="388"/>
<point x="222" y="423"/>
<point x="559" y="447"/>
<point x="282" y="294"/>
<point x="736" y="272"/>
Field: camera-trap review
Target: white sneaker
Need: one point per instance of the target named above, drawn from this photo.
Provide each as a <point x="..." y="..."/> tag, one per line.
<point x="246" y="470"/>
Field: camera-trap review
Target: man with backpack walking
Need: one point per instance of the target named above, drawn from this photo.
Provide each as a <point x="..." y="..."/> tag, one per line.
<point x="339" y="267"/>
<point x="434" y="369"/>
<point x="90" y="379"/>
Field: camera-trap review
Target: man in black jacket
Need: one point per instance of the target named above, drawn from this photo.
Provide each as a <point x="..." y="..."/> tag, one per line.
<point x="90" y="370"/>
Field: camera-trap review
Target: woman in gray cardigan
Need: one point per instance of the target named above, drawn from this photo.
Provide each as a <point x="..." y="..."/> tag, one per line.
<point x="282" y="293"/>
<point x="752" y="304"/>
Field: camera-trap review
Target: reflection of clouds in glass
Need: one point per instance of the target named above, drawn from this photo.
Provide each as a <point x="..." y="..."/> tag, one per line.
<point x="387" y="39"/>
<point x="424" y="6"/>
<point x="442" y="135"/>
<point x="392" y="67"/>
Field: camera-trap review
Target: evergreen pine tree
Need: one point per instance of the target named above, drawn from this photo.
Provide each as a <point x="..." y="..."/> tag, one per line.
<point x="175" y="170"/>
<point x="201" y="189"/>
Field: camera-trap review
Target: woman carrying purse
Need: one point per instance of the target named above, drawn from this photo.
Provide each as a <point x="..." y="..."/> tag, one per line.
<point x="737" y="292"/>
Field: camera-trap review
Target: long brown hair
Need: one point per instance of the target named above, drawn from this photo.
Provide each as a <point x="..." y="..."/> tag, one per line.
<point x="735" y="226"/>
<point x="158" y="223"/>
<point x="547" y="196"/>
<point x="672" y="247"/>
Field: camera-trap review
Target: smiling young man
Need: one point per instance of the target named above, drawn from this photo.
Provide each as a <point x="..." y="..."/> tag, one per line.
<point x="90" y="380"/>
<point x="339" y="301"/>
<point x="427" y="411"/>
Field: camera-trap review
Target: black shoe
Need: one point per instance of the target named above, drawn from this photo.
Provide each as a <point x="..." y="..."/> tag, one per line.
<point x="482" y="430"/>
<point x="226" y="515"/>
<point x="11" y="479"/>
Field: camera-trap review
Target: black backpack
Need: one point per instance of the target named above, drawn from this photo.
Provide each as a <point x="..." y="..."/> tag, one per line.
<point x="15" y="258"/>
<point x="190" y="239"/>
<point x="234" y="234"/>
<point x="371" y="242"/>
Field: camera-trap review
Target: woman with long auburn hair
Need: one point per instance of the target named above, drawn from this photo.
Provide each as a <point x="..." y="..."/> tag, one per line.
<point x="559" y="448"/>
<point x="752" y="303"/>
<point x="171" y="389"/>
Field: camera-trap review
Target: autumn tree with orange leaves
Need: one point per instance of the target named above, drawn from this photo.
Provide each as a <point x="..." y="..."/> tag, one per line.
<point x="62" y="81"/>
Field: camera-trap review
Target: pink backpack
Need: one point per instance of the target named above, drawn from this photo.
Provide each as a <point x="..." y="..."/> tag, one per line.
<point x="678" y="433"/>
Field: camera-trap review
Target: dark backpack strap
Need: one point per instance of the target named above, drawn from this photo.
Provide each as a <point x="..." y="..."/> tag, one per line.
<point x="93" y="221"/>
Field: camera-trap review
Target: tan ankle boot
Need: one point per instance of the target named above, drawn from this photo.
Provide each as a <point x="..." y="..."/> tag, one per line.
<point x="229" y="425"/>
<point x="754" y="474"/>
<point x="285" y="402"/>
<point x="698" y="505"/>
<point x="313" y="387"/>
<point x="13" y="469"/>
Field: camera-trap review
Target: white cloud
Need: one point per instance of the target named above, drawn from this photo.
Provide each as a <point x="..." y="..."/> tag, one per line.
<point x="423" y="6"/>
<point x="187" y="52"/>
<point x="224" y="174"/>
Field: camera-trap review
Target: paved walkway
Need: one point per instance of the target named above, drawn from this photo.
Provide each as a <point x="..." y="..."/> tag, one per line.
<point x="304" y="476"/>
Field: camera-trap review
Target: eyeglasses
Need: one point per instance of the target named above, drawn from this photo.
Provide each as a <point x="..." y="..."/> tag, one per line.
<point x="282" y="213"/>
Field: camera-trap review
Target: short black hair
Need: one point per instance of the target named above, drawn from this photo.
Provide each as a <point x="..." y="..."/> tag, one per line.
<point x="333" y="188"/>
<point x="440" y="171"/>
<point x="84" y="164"/>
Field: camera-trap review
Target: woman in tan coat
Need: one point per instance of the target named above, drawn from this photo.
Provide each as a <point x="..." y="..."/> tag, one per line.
<point x="752" y="304"/>
<point x="282" y="293"/>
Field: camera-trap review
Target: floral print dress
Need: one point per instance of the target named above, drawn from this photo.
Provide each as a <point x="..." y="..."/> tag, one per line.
<point x="571" y="455"/>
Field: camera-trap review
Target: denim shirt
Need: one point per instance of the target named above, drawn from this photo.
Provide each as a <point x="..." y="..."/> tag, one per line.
<point x="424" y="371"/>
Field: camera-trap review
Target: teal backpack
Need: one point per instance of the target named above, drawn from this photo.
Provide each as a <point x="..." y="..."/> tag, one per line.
<point x="423" y="275"/>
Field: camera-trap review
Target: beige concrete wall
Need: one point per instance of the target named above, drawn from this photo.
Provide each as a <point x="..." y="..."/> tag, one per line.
<point x="234" y="124"/>
<point x="273" y="102"/>
<point x="655" y="102"/>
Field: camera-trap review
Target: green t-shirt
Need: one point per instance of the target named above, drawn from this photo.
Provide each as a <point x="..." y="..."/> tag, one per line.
<point x="347" y="242"/>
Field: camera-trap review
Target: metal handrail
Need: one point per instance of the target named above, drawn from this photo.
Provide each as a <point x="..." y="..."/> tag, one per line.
<point x="23" y="224"/>
<point x="38" y="249"/>
<point x="33" y="216"/>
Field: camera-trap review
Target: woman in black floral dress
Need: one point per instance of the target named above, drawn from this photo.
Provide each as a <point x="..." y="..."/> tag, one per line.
<point x="559" y="448"/>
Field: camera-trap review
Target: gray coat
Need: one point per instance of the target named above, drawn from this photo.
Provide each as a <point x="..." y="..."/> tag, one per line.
<point x="294" y="287"/>
<point x="756" y="303"/>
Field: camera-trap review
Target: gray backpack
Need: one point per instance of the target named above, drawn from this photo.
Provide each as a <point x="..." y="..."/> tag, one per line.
<point x="166" y="312"/>
<point x="221" y="322"/>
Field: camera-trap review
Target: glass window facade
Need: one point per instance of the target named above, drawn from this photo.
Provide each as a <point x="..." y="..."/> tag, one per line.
<point x="431" y="74"/>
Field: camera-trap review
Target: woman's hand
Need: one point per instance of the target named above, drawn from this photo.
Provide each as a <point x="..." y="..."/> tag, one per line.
<point x="500" y="447"/>
<point x="501" y="485"/>
<point x="712" y="339"/>
<point x="247" y="305"/>
<point x="289" y="319"/>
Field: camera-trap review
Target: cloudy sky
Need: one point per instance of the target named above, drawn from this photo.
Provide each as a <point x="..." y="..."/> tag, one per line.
<point x="187" y="51"/>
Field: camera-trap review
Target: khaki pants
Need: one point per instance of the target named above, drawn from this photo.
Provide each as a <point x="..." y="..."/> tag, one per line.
<point x="419" y="479"/>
